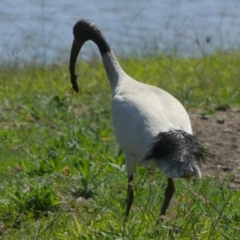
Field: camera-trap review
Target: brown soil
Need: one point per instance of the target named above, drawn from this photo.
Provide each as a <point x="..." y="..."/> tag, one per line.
<point x="220" y="134"/>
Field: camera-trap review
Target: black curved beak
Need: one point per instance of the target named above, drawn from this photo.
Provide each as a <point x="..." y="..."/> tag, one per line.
<point x="76" y="47"/>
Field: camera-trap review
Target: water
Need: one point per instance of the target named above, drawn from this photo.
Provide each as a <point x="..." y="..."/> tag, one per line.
<point x="42" y="30"/>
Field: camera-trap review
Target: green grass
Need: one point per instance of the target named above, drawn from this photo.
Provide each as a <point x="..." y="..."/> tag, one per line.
<point x="62" y="173"/>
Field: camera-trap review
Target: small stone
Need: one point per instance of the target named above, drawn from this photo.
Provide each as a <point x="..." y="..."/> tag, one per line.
<point x="220" y="121"/>
<point x="81" y="200"/>
<point x="223" y="107"/>
<point x="203" y="117"/>
<point x="225" y="169"/>
<point x="227" y="130"/>
<point x="18" y="169"/>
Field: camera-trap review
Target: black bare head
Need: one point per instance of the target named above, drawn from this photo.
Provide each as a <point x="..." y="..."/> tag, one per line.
<point x="177" y="153"/>
<point x="83" y="31"/>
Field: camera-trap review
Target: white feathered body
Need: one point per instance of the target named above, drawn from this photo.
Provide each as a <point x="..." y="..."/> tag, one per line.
<point x="141" y="111"/>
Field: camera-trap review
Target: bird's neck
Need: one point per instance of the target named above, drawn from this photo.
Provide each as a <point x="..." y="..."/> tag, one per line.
<point x="113" y="69"/>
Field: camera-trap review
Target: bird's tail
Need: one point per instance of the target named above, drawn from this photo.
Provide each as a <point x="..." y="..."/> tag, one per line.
<point x="177" y="153"/>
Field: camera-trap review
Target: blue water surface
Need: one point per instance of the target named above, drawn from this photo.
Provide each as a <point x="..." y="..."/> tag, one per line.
<point x="42" y="30"/>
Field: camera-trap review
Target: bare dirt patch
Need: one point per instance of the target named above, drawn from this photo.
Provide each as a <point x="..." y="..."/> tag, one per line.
<point x="220" y="135"/>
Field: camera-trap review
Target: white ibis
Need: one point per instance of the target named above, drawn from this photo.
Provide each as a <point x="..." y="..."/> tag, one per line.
<point x="151" y="125"/>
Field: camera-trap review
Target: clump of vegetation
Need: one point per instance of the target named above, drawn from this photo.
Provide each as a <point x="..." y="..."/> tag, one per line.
<point x="37" y="199"/>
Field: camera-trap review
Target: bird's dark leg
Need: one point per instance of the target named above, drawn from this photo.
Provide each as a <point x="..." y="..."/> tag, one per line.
<point x="168" y="195"/>
<point x="130" y="196"/>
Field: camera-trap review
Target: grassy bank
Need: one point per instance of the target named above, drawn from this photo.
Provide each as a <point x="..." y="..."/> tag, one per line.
<point x="62" y="173"/>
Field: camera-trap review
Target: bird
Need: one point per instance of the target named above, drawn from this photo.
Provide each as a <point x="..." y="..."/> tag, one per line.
<point x="151" y="126"/>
